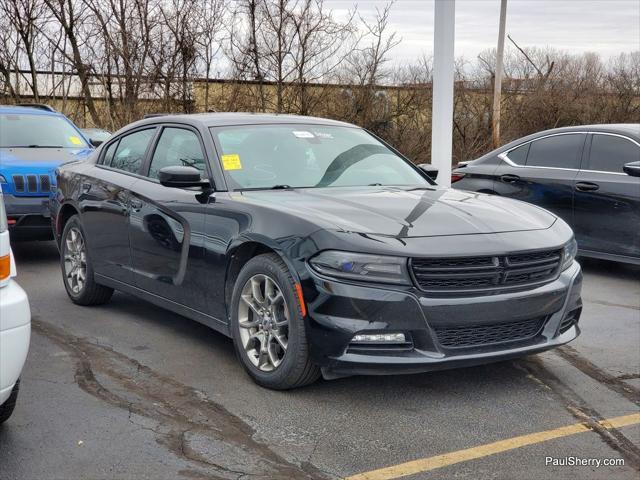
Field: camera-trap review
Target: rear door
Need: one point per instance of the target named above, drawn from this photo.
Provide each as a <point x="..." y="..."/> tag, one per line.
<point x="607" y="200"/>
<point x="542" y="172"/>
<point x="104" y="199"/>
<point x="166" y="224"/>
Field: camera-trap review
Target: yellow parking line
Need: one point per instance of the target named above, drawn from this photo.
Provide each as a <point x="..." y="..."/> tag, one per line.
<point x="439" y="461"/>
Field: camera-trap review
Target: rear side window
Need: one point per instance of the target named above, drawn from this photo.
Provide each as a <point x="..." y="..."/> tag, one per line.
<point x="559" y="151"/>
<point x="177" y="147"/>
<point x="108" y="154"/>
<point x="519" y="155"/>
<point x="610" y="153"/>
<point x="131" y="149"/>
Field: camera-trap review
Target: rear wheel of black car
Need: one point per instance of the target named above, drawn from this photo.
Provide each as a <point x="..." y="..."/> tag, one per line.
<point x="268" y="325"/>
<point x="77" y="271"/>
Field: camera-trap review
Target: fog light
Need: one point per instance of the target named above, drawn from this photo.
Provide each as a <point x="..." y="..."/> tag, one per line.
<point x="380" y="338"/>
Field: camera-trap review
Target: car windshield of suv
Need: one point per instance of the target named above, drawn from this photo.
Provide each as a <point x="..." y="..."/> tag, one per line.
<point x="305" y="156"/>
<point x="38" y="131"/>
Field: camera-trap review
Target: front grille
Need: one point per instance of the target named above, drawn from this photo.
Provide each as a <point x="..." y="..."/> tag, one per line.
<point x="18" y="182"/>
<point x="45" y="183"/>
<point x="489" y="334"/>
<point x="31" y="184"/>
<point x="485" y="273"/>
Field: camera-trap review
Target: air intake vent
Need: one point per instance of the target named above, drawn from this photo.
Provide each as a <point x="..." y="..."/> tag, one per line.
<point x="489" y="334"/>
<point x="32" y="183"/>
<point x="18" y="182"/>
<point x="45" y="183"/>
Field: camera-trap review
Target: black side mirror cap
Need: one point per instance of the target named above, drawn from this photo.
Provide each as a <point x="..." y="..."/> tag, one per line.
<point x="429" y="170"/>
<point x="181" y="177"/>
<point x="95" y="142"/>
<point x="632" y="168"/>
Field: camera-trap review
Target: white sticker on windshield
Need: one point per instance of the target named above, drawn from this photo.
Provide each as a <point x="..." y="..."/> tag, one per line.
<point x="303" y="134"/>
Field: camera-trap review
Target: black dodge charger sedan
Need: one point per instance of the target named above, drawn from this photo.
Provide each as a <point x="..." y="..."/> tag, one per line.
<point x="315" y="246"/>
<point x="589" y="176"/>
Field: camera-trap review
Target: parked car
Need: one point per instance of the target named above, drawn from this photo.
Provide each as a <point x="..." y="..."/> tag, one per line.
<point x="15" y="324"/>
<point x="33" y="142"/>
<point x="96" y="136"/>
<point x="589" y="176"/>
<point x="315" y="246"/>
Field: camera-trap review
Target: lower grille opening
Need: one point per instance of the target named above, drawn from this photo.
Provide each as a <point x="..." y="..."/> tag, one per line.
<point x="569" y="320"/>
<point x="489" y="334"/>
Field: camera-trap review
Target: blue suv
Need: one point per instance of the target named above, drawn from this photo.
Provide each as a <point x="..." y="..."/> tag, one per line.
<point x="34" y="141"/>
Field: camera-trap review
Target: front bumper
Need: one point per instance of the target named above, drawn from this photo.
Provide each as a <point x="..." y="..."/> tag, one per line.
<point x="338" y="311"/>
<point x="29" y="217"/>
<point x="15" y="333"/>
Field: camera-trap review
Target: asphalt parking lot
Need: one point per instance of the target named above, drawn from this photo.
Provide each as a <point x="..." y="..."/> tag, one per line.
<point x="127" y="390"/>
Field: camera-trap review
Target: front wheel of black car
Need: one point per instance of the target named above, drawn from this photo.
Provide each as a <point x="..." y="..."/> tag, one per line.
<point x="268" y="325"/>
<point x="77" y="271"/>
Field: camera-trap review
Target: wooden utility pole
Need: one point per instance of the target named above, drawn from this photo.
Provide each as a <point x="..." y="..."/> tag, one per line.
<point x="497" y="88"/>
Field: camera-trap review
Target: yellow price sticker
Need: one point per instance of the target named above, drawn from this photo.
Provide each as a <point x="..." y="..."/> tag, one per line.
<point x="75" y="140"/>
<point x="231" y="161"/>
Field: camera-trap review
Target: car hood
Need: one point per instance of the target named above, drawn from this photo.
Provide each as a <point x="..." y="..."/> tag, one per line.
<point x="405" y="213"/>
<point x="26" y="160"/>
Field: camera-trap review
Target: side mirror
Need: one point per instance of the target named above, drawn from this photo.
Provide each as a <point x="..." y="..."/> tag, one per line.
<point x="429" y="170"/>
<point x="95" y="142"/>
<point x="181" y="177"/>
<point x="632" y="168"/>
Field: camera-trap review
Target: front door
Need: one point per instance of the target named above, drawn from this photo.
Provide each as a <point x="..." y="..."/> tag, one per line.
<point x="167" y="224"/>
<point x="104" y="200"/>
<point x="607" y="200"/>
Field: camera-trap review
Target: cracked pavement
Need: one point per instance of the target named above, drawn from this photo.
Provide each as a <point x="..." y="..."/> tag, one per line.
<point x="129" y="391"/>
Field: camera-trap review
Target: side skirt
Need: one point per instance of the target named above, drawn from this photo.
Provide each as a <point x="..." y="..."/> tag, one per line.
<point x="178" y="308"/>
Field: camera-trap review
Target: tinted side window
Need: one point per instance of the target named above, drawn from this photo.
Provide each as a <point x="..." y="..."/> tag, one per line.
<point x="609" y="153"/>
<point x="177" y="146"/>
<point x="131" y="149"/>
<point x="519" y="155"/>
<point x="560" y="151"/>
<point x="108" y="154"/>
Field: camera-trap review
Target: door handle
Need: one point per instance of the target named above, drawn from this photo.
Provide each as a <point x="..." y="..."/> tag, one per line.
<point x="586" y="186"/>
<point x="509" y="178"/>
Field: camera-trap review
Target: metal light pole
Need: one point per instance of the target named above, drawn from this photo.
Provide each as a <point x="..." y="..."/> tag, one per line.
<point x="442" y="110"/>
<point x="497" y="87"/>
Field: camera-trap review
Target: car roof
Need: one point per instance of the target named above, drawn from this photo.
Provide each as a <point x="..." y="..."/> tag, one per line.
<point x="221" y="119"/>
<point x="12" y="109"/>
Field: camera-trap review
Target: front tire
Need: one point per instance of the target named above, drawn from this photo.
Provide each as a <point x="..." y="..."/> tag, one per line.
<point x="77" y="270"/>
<point x="6" y="409"/>
<point x="268" y="327"/>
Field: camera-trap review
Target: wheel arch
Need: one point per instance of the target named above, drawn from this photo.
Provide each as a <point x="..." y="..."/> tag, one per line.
<point x="66" y="211"/>
<point x="240" y="253"/>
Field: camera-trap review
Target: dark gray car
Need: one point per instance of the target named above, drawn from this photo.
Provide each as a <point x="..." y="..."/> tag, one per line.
<point x="588" y="175"/>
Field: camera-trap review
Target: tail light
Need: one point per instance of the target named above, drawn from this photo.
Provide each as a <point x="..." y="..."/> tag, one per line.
<point x="456" y="177"/>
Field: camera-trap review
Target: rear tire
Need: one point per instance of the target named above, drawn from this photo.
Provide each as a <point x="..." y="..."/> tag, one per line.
<point x="77" y="270"/>
<point x="275" y="320"/>
<point x="6" y="409"/>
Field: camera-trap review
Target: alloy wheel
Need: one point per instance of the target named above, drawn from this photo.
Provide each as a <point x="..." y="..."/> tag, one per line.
<point x="263" y="317"/>
<point x="75" y="260"/>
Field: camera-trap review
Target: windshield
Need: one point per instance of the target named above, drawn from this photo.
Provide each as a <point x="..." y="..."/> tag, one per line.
<point x="38" y="131"/>
<point x="296" y="156"/>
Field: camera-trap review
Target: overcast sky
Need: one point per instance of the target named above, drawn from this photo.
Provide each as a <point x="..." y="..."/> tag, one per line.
<point x="607" y="27"/>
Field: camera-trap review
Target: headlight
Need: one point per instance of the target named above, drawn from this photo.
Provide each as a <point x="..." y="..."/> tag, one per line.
<point x="569" y="252"/>
<point x="362" y="267"/>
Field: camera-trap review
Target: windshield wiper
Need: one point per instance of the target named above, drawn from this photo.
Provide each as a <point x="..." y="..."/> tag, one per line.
<point x="275" y="187"/>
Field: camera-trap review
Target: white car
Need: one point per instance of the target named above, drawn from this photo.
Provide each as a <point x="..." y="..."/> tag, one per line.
<point x="15" y="324"/>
